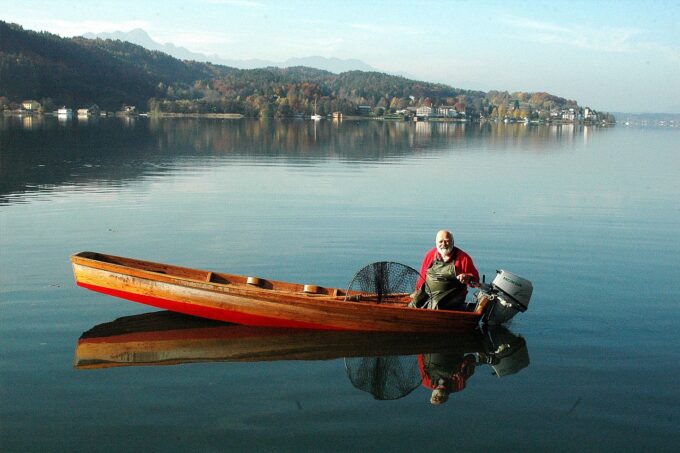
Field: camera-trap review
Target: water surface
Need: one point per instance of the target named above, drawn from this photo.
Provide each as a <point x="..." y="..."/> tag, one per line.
<point x="590" y="215"/>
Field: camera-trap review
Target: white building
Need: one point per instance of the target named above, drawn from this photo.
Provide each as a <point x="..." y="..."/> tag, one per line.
<point x="447" y="111"/>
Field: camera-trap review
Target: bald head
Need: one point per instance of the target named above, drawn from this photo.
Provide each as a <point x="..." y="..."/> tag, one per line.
<point x="439" y="396"/>
<point x="442" y="234"/>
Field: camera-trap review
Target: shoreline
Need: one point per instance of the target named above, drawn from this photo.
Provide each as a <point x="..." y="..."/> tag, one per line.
<point x="238" y="116"/>
<point x="230" y="116"/>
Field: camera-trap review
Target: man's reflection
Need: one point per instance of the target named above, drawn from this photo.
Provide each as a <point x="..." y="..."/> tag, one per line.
<point x="446" y="373"/>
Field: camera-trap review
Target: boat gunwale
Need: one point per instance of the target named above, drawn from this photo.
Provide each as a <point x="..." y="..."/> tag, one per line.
<point x="219" y="286"/>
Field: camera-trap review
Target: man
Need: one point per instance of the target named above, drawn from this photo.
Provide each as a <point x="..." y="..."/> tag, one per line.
<point x="447" y="272"/>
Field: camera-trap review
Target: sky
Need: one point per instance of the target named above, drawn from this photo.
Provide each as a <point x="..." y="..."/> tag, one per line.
<point x="615" y="56"/>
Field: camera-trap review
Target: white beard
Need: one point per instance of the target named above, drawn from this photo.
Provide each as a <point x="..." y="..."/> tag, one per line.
<point x="445" y="252"/>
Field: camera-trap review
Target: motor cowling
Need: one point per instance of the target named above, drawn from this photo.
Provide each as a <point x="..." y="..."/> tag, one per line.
<point x="508" y="295"/>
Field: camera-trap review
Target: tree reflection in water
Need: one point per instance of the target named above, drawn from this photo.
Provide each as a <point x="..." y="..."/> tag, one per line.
<point x="43" y="155"/>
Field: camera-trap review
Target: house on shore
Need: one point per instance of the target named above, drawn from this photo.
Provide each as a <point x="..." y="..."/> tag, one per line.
<point x="447" y="111"/>
<point x="364" y="110"/>
<point x="31" y="105"/>
<point x="93" y="110"/>
<point x="129" y="110"/>
<point x="424" y="111"/>
<point x="64" y="112"/>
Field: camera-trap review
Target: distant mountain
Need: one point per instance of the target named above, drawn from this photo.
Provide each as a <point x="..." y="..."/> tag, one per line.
<point x="142" y="38"/>
<point x="335" y="65"/>
<point x="136" y="36"/>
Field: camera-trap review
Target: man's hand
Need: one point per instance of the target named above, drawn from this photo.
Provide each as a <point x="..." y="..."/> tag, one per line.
<point x="464" y="278"/>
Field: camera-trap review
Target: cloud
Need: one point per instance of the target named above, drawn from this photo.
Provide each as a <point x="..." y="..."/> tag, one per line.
<point x="373" y="28"/>
<point x="369" y="27"/>
<point x="606" y="39"/>
<point x="196" y="39"/>
<point x="323" y="46"/>
<point x="329" y="45"/>
<point x="672" y="53"/>
<point x="313" y="21"/>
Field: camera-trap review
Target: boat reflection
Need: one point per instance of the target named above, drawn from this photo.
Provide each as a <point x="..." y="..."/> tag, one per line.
<point x="387" y="365"/>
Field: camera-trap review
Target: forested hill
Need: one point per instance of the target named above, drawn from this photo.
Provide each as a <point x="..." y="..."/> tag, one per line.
<point x="79" y="72"/>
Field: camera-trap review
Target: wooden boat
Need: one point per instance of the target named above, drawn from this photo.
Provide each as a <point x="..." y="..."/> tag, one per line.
<point x="167" y="338"/>
<point x="256" y="301"/>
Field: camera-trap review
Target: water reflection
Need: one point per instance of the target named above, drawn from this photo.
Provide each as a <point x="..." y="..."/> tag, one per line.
<point x="444" y="370"/>
<point x="386" y="365"/>
<point x="43" y="154"/>
<point x="448" y="372"/>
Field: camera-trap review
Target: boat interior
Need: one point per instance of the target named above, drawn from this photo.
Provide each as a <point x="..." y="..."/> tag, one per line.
<point x="224" y="278"/>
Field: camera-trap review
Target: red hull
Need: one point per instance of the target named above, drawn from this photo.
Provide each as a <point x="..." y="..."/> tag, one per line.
<point x="206" y="312"/>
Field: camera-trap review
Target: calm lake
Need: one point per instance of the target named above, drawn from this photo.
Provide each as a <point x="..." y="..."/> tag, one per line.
<point x="590" y="215"/>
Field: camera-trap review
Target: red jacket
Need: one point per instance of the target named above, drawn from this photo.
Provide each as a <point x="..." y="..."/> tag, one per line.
<point x="457" y="378"/>
<point x="462" y="261"/>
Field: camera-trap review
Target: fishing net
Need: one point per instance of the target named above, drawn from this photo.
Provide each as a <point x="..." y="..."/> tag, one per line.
<point x="386" y="378"/>
<point x="383" y="281"/>
<point x="389" y="377"/>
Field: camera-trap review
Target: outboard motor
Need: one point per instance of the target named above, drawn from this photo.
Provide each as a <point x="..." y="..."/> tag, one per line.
<point x="508" y="294"/>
